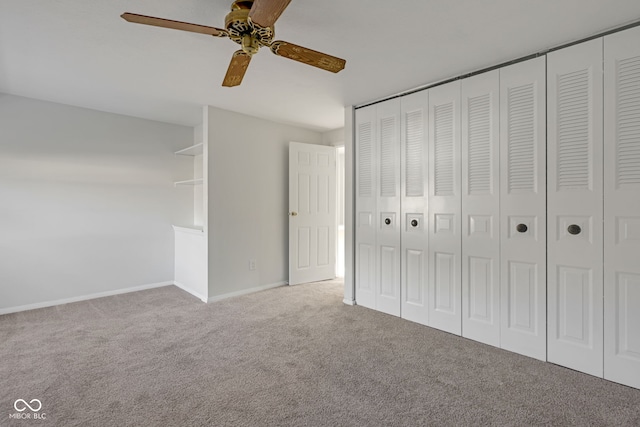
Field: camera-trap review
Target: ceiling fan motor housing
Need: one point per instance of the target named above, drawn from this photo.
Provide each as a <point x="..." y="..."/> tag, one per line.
<point x="241" y="30"/>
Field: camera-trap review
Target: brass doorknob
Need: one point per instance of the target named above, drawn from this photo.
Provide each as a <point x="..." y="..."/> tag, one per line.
<point x="294" y="214"/>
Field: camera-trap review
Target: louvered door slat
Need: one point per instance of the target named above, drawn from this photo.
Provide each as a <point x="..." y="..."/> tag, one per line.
<point x="521" y="141"/>
<point x="414" y="165"/>
<point x="444" y="150"/>
<point x="479" y="145"/>
<point x="365" y="160"/>
<point x="628" y="122"/>
<point x="388" y="147"/>
<point x="573" y="130"/>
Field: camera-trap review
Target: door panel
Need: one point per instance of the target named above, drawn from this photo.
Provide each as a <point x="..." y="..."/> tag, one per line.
<point x="481" y="208"/>
<point x="575" y="214"/>
<point x="622" y="208"/>
<point x="414" y="227"/>
<point x="523" y="208"/>
<point x="324" y="246"/>
<point x="575" y="309"/>
<point x="304" y="248"/>
<point x="521" y="313"/>
<point x="366" y="268"/>
<point x="481" y="293"/>
<point x="365" y="207"/>
<point x="628" y="316"/>
<point x="414" y="292"/>
<point x="444" y="201"/>
<point x="446" y="291"/>
<point x="388" y="272"/>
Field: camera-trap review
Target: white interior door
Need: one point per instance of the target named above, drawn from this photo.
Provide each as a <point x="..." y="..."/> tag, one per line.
<point x="523" y="208"/>
<point x="622" y="208"/>
<point x="481" y="208"/>
<point x="312" y="213"/>
<point x="388" y="233"/>
<point x="414" y="216"/>
<point x="445" y="209"/>
<point x="575" y="213"/>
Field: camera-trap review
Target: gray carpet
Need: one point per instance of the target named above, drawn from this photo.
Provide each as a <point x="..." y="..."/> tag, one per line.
<point x="291" y="356"/>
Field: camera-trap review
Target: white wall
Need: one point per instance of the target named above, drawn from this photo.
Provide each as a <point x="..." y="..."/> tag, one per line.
<point x="86" y="201"/>
<point x="248" y="200"/>
<point x="198" y="172"/>
<point x="333" y="137"/>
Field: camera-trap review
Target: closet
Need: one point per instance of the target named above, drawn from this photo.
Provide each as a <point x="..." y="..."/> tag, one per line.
<point x="505" y="207"/>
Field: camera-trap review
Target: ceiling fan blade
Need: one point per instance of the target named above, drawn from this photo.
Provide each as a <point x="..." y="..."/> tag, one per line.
<point x="176" y="25"/>
<point x="308" y="56"/>
<point x="266" y="12"/>
<point x="237" y="68"/>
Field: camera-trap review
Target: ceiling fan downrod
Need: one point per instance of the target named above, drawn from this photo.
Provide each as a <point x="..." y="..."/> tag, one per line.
<point x="242" y="30"/>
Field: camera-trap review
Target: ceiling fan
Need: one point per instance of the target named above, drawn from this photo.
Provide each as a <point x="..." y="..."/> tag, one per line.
<point x="250" y="24"/>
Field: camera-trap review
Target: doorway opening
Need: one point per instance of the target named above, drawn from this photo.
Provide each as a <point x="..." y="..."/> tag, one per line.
<point x="340" y="212"/>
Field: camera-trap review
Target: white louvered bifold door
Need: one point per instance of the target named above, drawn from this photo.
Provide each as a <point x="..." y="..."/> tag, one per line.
<point x="481" y="208"/>
<point x="414" y="219"/>
<point x="523" y="208"/>
<point x="622" y="208"/>
<point x="366" y="212"/>
<point x="574" y="238"/>
<point x="388" y="234"/>
<point x="444" y="209"/>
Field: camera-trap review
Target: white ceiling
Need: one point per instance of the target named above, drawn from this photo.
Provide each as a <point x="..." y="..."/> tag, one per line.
<point x="82" y="53"/>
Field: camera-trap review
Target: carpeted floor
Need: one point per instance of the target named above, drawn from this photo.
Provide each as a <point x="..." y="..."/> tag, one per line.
<point x="291" y="356"/>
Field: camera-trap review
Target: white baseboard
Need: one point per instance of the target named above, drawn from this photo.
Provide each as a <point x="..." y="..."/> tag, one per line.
<point x="246" y="291"/>
<point x="82" y="298"/>
<point x="190" y="291"/>
<point x="349" y="301"/>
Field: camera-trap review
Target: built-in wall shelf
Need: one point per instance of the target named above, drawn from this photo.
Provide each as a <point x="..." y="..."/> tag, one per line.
<point x="189" y="182"/>
<point x="194" y="150"/>
<point x="192" y="229"/>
